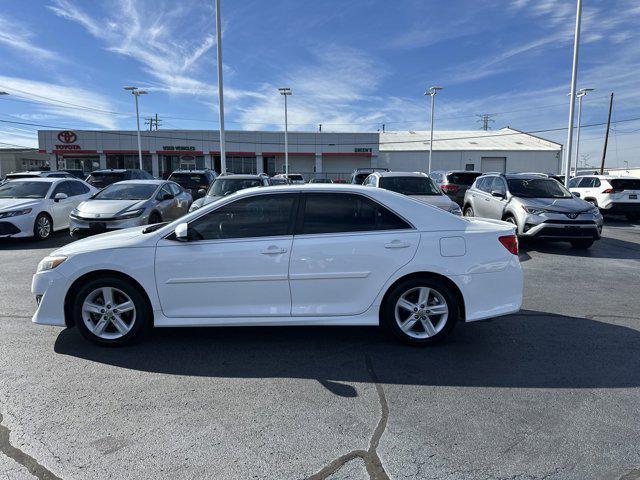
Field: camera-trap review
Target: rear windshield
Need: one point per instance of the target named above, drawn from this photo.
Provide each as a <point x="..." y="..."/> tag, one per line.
<point x="103" y="179"/>
<point x="227" y="186"/>
<point x="295" y="177"/>
<point x="190" y="180"/>
<point x="625" y="184"/>
<point x="22" y="175"/>
<point x="410" y="185"/>
<point x="127" y="191"/>
<point x="463" y="178"/>
<point x="18" y="189"/>
<point x="537" y="188"/>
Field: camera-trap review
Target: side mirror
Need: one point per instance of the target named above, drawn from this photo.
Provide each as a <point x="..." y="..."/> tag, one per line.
<point x="576" y="194"/>
<point x="497" y="193"/>
<point x="60" y="196"/>
<point x="167" y="196"/>
<point x="182" y="232"/>
<point x="202" y="191"/>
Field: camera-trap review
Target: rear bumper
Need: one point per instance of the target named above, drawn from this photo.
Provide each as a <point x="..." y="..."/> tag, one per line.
<point x="488" y="295"/>
<point x="621" y="208"/>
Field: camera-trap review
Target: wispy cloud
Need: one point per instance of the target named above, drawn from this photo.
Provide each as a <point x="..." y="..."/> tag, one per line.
<point x="161" y="36"/>
<point x="18" y="37"/>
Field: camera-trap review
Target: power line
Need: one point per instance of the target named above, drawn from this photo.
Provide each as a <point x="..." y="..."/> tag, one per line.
<point x="485" y="118"/>
<point x="417" y="140"/>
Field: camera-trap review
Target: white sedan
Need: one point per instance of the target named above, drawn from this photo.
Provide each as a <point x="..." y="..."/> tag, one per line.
<point x="287" y="255"/>
<point x="35" y="207"/>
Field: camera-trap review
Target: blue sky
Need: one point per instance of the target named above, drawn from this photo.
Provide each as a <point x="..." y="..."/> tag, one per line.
<point x="353" y="65"/>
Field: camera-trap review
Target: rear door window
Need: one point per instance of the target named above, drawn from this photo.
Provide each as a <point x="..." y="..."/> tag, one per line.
<point x="346" y="212"/>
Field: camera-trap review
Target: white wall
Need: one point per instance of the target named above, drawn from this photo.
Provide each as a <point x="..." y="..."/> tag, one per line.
<point x="517" y="161"/>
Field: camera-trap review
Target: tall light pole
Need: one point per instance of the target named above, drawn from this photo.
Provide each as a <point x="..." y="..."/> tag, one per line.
<point x="136" y="93"/>
<point x="432" y="93"/>
<point x="574" y="79"/>
<point x="285" y="92"/>
<point x="2" y="93"/>
<point x="223" y="155"/>
<point x="581" y="93"/>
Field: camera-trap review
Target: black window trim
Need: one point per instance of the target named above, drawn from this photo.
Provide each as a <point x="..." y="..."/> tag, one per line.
<point x="301" y="207"/>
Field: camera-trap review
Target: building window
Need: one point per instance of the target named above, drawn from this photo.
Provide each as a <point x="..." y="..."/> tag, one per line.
<point x="241" y="165"/>
<point x="129" y="162"/>
<point x="470" y="167"/>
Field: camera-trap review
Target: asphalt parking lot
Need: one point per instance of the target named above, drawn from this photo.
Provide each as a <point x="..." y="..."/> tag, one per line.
<point x="552" y="392"/>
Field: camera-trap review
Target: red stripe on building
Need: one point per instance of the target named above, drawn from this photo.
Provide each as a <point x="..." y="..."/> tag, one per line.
<point x="347" y="154"/>
<point x="124" y="152"/>
<point x="244" y="154"/>
<point x="179" y="152"/>
<point x="281" y="154"/>
<point x="75" y="152"/>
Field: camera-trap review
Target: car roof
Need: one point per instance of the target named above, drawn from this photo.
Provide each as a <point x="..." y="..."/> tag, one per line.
<point x="400" y="174"/>
<point x="198" y="171"/>
<point x="114" y="170"/>
<point x="45" y="179"/>
<point x="143" y="181"/>
<point x="242" y="176"/>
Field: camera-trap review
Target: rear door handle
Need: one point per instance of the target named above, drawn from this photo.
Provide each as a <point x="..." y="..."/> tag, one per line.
<point x="397" y="244"/>
<point x="273" y="250"/>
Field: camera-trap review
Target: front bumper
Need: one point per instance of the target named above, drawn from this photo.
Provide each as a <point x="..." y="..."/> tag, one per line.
<point x="81" y="227"/>
<point x="50" y="287"/>
<point x="17" y="227"/>
<point x="558" y="226"/>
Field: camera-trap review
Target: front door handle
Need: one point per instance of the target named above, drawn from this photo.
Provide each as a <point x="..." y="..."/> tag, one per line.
<point x="397" y="244"/>
<point x="273" y="250"/>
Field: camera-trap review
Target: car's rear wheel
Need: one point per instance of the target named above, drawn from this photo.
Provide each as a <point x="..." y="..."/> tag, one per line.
<point x="468" y="211"/>
<point x="154" y="218"/>
<point x="582" y="244"/>
<point x="42" y="227"/>
<point x="110" y="311"/>
<point x="421" y="311"/>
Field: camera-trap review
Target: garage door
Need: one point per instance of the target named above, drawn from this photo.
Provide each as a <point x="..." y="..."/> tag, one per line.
<point x="494" y="164"/>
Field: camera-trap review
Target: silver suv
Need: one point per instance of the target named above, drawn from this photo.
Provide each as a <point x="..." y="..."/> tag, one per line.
<point x="539" y="207"/>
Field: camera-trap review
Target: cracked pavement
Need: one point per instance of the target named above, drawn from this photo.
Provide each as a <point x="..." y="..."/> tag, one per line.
<point x="552" y="392"/>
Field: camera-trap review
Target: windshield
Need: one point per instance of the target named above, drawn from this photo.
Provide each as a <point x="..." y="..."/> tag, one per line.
<point x="463" y="178"/>
<point x="104" y="179"/>
<point x="126" y="191"/>
<point x="190" y="180"/>
<point x="537" y="188"/>
<point x="410" y="185"/>
<point x="226" y="186"/>
<point x="18" y="189"/>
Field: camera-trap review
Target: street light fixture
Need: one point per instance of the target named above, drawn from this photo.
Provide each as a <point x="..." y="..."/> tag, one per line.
<point x="285" y="92"/>
<point x="432" y="93"/>
<point x="136" y="92"/>
<point x="581" y="93"/>
<point x="223" y="148"/>
<point x="574" y="80"/>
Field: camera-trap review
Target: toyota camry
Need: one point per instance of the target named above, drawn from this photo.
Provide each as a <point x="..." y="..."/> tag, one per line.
<point x="287" y="255"/>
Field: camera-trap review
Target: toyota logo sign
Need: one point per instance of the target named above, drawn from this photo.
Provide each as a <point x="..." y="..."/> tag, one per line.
<point x="67" y="137"/>
<point x="572" y="215"/>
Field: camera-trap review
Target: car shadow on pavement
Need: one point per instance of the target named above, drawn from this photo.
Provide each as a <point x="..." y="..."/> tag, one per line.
<point x="56" y="240"/>
<point x="606" y="247"/>
<point x="527" y="350"/>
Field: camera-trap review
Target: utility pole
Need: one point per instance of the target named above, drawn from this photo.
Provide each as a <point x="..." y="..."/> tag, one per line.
<point x="432" y="92"/>
<point x="151" y="121"/>
<point x="223" y="156"/>
<point x="485" y="118"/>
<point x="606" y="136"/>
<point x="572" y="102"/>
<point x="285" y="92"/>
<point x="320" y="127"/>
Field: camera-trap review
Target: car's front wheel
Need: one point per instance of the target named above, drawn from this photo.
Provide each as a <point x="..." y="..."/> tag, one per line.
<point x="110" y="311"/>
<point x="421" y="311"/>
<point x="468" y="211"/>
<point x="42" y="227"/>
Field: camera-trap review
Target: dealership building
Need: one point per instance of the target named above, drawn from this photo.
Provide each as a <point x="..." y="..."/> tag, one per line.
<point x="319" y="154"/>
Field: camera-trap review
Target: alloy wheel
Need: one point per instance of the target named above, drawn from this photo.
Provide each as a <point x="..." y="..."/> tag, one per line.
<point x="108" y="313"/>
<point x="43" y="226"/>
<point x="421" y="312"/>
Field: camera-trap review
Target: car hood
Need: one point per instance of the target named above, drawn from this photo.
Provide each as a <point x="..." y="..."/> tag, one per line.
<point x="17" y="203"/>
<point x="558" y="204"/>
<point x="206" y="200"/>
<point x="441" y="201"/>
<point x="128" y="237"/>
<point x="108" y="208"/>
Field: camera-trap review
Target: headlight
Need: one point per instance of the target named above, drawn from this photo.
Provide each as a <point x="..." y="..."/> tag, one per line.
<point x="49" y="263"/>
<point x="131" y="214"/>
<point x="594" y="211"/>
<point x="534" y="210"/>
<point x="455" y="209"/>
<point x="15" y="213"/>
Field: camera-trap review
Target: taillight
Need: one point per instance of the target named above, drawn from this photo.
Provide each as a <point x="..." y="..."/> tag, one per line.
<point x="450" y="188"/>
<point x="610" y="190"/>
<point x="510" y="242"/>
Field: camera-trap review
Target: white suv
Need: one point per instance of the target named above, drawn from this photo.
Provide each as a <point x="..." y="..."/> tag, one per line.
<point x="612" y="195"/>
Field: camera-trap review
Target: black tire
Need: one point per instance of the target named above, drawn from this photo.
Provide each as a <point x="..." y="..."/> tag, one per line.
<point x="388" y="311"/>
<point x="468" y="211"/>
<point x="155" y="217"/>
<point x="42" y="227"/>
<point x="140" y="322"/>
<point x="582" y="244"/>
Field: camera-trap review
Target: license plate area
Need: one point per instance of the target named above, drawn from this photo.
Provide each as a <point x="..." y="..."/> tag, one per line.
<point x="633" y="196"/>
<point x="98" y="226"/>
